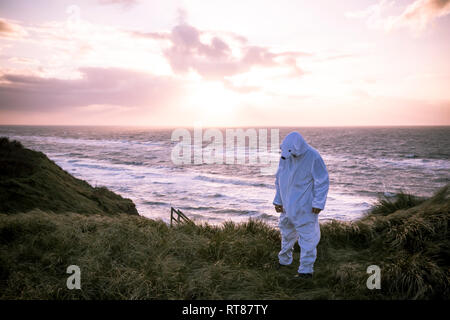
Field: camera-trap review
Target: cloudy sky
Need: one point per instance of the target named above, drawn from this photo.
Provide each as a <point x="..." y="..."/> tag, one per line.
<point x="225" y="63"/>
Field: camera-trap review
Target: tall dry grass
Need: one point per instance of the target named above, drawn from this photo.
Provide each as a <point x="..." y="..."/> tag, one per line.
<point x="131" y="257"/>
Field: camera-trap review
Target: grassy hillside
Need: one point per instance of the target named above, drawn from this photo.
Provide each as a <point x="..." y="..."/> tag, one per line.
<point x="29" y="180"/>
<point x="131" y="257"/>
<point x="126" y="256"/>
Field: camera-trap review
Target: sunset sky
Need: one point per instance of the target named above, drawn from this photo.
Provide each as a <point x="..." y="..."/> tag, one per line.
<point x="225" y="63"/>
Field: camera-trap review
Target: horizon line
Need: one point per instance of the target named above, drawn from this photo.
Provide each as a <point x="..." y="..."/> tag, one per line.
<point x="244" y="126"/>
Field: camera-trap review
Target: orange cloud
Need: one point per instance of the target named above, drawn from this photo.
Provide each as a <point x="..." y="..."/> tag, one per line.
<point x="416" y="16"/>
<point x="9" y="29"/>
<point x="420" y="13"/>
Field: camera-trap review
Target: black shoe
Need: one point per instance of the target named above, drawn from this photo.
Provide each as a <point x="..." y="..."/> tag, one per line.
<point x="303" y="276"/>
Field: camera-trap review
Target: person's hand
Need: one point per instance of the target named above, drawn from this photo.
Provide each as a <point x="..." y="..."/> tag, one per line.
<point x="316" y="210"/>
<point x="278" y="208"/>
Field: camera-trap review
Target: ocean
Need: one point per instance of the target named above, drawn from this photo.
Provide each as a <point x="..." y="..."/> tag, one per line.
<point x="364" y="164"/>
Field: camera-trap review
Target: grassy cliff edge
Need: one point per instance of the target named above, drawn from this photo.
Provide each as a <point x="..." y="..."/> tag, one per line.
<point x="123" y="256"/>
<point x="29" y="180"/>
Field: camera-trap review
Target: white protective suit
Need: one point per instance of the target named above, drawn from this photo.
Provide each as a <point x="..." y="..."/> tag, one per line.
<point x="301" y="184"/>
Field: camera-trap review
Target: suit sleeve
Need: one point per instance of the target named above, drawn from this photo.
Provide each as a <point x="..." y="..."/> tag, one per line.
<point x="277" y="200"/>
<point x="321" y="183"/>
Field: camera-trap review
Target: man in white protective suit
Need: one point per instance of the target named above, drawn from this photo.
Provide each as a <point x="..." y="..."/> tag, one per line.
<point x="301" y="191"/>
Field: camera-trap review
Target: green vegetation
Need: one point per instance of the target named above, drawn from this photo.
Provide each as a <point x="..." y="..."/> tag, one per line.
<point x="124" y="256"/>
<point x="402" y="200"/>
<point x="30" y="180"/>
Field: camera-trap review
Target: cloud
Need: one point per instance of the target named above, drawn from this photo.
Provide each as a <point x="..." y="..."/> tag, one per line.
<point x="97" y="86"/>
<point x="9" y="29"/>
<point x="419" y="14"/>
<point x="184" y="49"/>
<point x="24" y="61"/>
<point x="416" y="16"/>
<point x="338" y="56"/>
<point x="150" y="35"/>
<point x="215" y="59"/>
<point x="124" y="3"/>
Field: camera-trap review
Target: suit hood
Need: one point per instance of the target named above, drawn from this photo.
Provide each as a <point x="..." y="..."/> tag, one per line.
<point x="293" y="144"/>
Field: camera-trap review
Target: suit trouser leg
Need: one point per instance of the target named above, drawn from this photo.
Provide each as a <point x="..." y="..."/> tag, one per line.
<point x="288" y="238"/>
<point x="309" y="237"/>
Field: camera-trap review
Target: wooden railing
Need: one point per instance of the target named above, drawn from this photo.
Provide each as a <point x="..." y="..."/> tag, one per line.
<point x="180" y="216"/>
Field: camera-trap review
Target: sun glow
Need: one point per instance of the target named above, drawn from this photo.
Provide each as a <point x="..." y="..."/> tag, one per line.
<point x="213" y="104"/>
